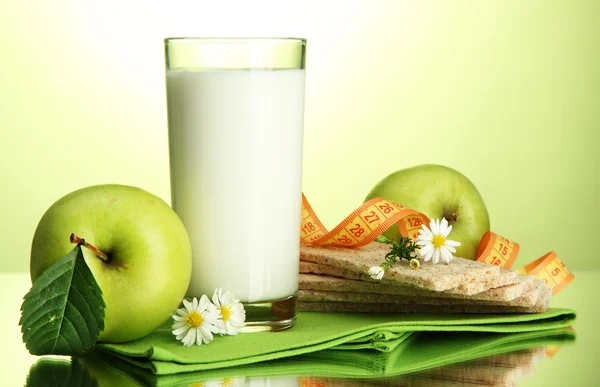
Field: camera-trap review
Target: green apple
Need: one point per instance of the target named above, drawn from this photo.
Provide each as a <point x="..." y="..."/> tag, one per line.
<point x="149" y="255"/>
<point x="439" y="191"/>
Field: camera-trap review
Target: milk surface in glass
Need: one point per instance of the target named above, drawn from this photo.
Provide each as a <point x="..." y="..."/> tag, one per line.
<point x="236" y="154"/>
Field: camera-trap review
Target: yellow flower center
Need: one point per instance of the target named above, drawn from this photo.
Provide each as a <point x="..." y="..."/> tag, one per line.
<point x="225" y="312"/>
<point x="227" y="382"/>
<point x="414" y="263"/>
<point x="438" y="241"/>
<point x="194" y="319"/>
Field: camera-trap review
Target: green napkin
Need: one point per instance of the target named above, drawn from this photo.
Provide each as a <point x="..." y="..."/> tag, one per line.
<point x="421" y="351"/>
<point x="315" y="331"/>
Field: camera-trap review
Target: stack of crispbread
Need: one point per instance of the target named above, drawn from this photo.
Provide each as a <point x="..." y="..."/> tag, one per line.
<point x="335" y="279"/>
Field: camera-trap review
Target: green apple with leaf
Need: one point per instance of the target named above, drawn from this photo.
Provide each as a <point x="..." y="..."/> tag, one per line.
<point x="134" y="244"/>
<point x="438" y="191"/>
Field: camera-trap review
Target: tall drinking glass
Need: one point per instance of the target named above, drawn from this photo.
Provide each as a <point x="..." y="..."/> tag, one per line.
<point x="236" y="109"/>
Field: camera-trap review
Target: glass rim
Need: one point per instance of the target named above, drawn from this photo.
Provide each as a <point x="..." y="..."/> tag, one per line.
<point x="242" y="40"/>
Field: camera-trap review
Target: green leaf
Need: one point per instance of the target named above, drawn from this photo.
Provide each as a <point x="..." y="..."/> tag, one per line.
<point x="59" y="373"/>
<point x="63" y="312"/>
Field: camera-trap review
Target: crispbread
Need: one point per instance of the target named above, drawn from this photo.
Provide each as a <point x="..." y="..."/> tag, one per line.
<point x="335" y="284"/>
<point x="505" y="277"/>
<point x="433" y="277"/>
<point x="526" y="300"/>
<point x="315" y="268"/>
<point x="321" y="306"/>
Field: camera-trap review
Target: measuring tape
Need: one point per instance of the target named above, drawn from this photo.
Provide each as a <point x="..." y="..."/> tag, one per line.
<point x="497" y="250"/>
<point x="363" y="225"/>
<point x="375" y="216"/>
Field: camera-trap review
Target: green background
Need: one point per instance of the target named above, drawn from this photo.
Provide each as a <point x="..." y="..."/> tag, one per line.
<point x="507" y="92"/>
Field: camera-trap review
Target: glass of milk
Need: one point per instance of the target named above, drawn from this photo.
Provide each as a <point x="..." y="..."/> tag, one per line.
<point x="236" y="109"/>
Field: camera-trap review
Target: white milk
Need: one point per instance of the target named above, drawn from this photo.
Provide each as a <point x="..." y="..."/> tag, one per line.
<point x="236" y="156"/>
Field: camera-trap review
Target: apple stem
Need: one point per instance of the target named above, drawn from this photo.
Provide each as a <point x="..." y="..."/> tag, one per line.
<point x="80" y="241"/>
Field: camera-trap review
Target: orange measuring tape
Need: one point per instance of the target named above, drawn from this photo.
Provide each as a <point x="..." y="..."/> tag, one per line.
<point x="362" y="226"/>
<point x="375" y="216"/>
<point x="497" y="250"/>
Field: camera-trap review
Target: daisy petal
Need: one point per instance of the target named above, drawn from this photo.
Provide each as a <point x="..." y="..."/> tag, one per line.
<point x="181" y="335"/>
<point x="204" y="301"/>
<point x="216" y="298"/>
<point x="447" y="231"/>
<point x="426" y="250"/>
<point x="206" y="334"/>
<point x="178" y="324"/>
<point x="428" y="237"/>
<point x="446" y="255"/>
<point x="189" y="339"/>
<point x="199" y="337"/>
<point x="443" y="226"/>
<point x="451" y="243"/>
<point x="180" y="330"/>
<point x="436" y="256"/>
<point x="429" y="254"/>
<point x="433" y="227"/>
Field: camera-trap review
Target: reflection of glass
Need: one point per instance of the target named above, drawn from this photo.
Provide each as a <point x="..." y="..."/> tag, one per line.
<point x="420" y="359"/>
<point x="236" y="109"/>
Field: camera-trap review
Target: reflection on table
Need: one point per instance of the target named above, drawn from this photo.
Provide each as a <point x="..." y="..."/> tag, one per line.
<point x="426" y="359"/>
<point x="496" y="370"/>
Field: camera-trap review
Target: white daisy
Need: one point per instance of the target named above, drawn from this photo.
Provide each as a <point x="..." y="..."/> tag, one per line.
<point x="231" y="312"/>
<point x="196" y="322"/>
<point x="376" y="272"/>
<point x="434" y="244"/>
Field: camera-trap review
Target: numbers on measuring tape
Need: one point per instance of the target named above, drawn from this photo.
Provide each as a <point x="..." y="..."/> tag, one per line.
<point x="357" y="230"/>
<point x="386" y="208"/>
<point x="503" y="249"/>
<point x="344" y="239"/>
<point x="308" y="228"/>
<point x="415" y="222"/>
<point x="371" y="217"/>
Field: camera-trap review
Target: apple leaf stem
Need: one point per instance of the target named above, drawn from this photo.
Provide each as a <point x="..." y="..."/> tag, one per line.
<point x="80" y="241"/>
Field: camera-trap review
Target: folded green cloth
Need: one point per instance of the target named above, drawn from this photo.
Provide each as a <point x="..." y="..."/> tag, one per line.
<point x="316" y="331"/>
